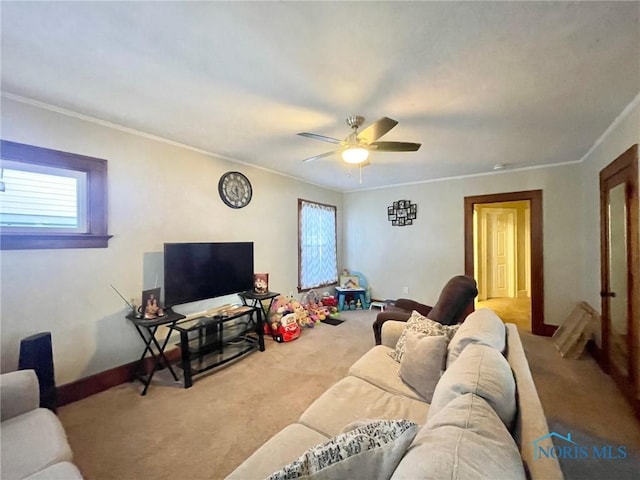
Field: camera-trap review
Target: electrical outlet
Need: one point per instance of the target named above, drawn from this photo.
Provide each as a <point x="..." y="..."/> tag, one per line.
<point x="405" y="289"/>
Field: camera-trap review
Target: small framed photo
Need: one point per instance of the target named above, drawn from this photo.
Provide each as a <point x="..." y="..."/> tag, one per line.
<point x="401" y="204"/>
<point x="408" y="221"/>
<point x="401" y="221"/>
<point x="349" y="281"/>
<point x="392" y="217"/>
<point x="412" y="216"/>
<point x="390" y="210"/>
<point x="413" y="208"/>
<point x="402" y="213"/>
<point x="395" y="205"/>
<point x="151" y="304"/>
<point x="260" y="283"/>
<point x="394" y="223"/>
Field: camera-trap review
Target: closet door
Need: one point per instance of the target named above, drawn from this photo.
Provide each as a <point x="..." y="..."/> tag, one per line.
<point x="620" y="276"/>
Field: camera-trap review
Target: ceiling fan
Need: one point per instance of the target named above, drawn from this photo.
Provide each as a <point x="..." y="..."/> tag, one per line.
<point x="356" y="147"/>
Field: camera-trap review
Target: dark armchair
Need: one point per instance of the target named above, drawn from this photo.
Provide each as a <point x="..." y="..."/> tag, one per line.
<point x="453" y="305"/>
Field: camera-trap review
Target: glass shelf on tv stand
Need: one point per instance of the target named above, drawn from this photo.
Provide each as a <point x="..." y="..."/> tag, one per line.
<point x="208" y="342"/>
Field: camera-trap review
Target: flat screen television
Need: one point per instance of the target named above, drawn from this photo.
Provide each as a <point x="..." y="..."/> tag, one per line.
<point x="197" y="271"/>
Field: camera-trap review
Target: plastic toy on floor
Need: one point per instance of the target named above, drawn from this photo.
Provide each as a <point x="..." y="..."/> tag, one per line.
<point x="284" y="310"/>
<point x="329" y="301"/>
<point x="287" y="330"/>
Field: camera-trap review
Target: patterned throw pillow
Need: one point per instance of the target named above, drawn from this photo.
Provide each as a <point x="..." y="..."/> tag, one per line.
<point x="368" y="451"/>
<point x="421" y="324"/>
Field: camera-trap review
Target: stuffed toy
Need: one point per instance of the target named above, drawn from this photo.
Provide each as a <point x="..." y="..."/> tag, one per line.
<point x="302" y="315"/>
<point x="282" y="308"/>
<point x="317" y="311"/>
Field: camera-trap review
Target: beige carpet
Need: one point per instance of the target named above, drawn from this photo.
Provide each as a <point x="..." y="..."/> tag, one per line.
<point x="204" y="432"/>
<point x="207" y="430"/>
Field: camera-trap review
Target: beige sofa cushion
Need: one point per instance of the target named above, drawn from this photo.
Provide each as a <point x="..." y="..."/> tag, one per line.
<point x="19" y="393"/>
<point x="378" y="368"/>
<point x="483" y="327"/>
<point x="284" y="447"/>
<point x="352" y="399"/>
<point x="370" y="451"/>
<point x="31" y="442"/>
<point x="464" y="441"/>
<point x="483" y="371"/>
<point x="423" y="362"/>
<point x="59" y="471"/>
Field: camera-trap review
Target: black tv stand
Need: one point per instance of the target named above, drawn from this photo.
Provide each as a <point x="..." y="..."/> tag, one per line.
<point x="208" y="342"/>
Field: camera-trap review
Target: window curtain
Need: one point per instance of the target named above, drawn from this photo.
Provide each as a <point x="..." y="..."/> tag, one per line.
<point x="318" y="259"/>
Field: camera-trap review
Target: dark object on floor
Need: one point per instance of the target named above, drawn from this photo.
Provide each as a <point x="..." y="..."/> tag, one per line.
<point x="332" y="321"/>
<point x="453" y="305"/>
<point x="36" y="353"/>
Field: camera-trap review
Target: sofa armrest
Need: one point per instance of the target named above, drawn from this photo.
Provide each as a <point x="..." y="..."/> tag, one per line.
<point x="19" y="393"/>
<point x="391" y="331"/>
<point x="531" y="422"/>
<point x="411" y="305"/>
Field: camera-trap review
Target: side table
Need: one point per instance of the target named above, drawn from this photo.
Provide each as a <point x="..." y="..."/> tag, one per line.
<point x="358" y="293"/>
<point x="256" y="300"/>
<point x="147" y="330"/>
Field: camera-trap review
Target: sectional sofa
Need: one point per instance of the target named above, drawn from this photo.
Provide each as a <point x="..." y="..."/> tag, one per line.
<point x="482" y="418"/>
<point x="33" y="442"/>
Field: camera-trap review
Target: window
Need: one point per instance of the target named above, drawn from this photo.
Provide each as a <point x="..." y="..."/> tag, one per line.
<point x="51" y="199"/>
<point x="317" y="249"/>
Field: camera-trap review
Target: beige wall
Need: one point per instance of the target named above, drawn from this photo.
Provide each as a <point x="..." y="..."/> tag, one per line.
<point x="621" y="135"/>
<point x="425" y="255"/>
<point x="157" y="193"/>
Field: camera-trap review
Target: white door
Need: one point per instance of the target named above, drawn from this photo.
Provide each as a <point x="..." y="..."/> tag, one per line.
<point x="501" y="244"/>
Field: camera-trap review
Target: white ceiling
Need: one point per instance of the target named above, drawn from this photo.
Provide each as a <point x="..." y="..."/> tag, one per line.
<point x="477" y="83"/>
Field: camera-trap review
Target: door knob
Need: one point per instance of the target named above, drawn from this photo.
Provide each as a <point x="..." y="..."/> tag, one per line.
<point x="607" y="294"/>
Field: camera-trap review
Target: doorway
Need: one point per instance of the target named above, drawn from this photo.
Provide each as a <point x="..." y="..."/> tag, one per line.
<point x="502" y="254"/>
<point x="527" y="286"/>
<point x="620" y="271"/>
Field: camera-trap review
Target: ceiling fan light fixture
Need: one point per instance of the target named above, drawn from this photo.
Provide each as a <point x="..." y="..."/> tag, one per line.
<point x="355" y="155"/>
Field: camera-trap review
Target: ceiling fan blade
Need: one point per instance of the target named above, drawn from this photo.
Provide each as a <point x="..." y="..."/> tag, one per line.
<point x="395" y="146"/>
<point x="377" y="129"/>
<point x="322" y="155"/>
<point x="322" y="138"/>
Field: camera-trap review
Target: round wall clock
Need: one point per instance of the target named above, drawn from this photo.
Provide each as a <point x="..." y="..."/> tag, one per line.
<point x="235" y="189"/>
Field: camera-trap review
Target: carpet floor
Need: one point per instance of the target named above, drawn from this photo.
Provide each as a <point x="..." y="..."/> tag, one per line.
<point x="205" y="431"/>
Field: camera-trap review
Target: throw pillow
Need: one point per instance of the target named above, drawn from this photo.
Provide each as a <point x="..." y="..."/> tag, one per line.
<point x="465" y="440"/>
<point x="369" y="451"/>
<point x="483" y="327"/>
<point x="423" y="362"/>
<point x="483" y="371"/>
<point x="421" y="324"/>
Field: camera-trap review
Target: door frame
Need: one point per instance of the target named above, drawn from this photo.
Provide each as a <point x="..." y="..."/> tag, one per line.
<point x="538" y="327"/>
<point x="623" y="170"/>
